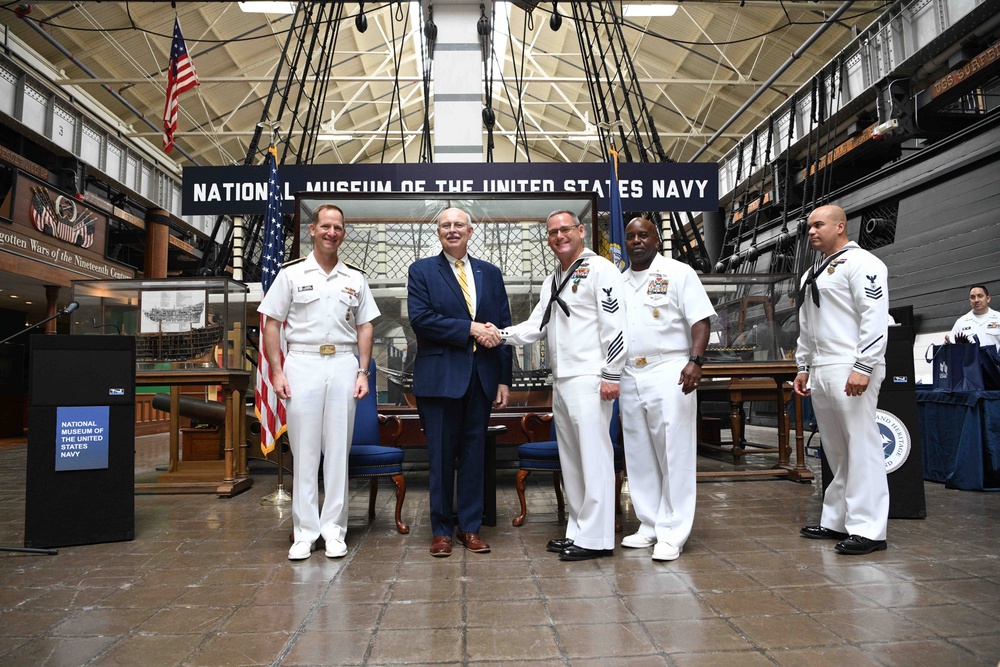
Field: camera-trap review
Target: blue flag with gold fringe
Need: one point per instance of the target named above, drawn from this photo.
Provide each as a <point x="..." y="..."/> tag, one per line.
<point x="616" y="218"/>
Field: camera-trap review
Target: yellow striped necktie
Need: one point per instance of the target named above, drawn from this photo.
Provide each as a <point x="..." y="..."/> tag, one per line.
<point x="463" y="282"/>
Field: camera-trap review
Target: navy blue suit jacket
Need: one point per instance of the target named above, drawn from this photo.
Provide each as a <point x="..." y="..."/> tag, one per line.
<point x="440" y="319"/>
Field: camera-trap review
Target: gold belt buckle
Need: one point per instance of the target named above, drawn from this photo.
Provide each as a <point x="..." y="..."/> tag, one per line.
<point x="327" y="349"/>
<point x="640" y="361"/>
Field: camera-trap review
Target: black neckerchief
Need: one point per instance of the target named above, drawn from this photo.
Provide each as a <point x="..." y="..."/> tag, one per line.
<point x="555" y="298"/>
<point x="813" y="275"/>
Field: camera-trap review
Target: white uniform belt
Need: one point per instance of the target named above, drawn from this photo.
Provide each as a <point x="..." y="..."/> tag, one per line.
<point x="639" y="362"/>
<point x="323" y="349"/>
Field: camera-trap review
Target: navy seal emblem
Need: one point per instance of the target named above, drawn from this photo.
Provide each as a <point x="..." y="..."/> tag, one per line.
<point x="895" y="439"/>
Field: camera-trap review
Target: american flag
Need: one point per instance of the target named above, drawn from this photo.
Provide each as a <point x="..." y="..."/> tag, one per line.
<point x="270" y="410"/>
<point x="181" y="77"/>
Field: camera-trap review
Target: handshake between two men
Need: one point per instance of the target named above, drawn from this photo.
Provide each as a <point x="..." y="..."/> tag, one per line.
<point x="486" y="335"/>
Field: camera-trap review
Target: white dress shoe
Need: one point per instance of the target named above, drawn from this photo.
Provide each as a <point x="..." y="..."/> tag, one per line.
<point x="666" y="551"/>
<point x="300" y="551"/>
<point x="638" y="541"/>
<point x="336" y="548"/>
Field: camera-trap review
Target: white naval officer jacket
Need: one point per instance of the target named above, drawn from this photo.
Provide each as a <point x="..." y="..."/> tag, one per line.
<point x="851" y="323"/>
<point x="318" y="309"/>
<point x="986" y="328"/>
<point x="591" y="340"/>
<point x="663" y="306"/>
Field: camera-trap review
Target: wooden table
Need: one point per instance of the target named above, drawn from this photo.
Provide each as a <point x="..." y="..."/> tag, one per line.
<point x="227" y="477"/>
<point x="758" y="380"/>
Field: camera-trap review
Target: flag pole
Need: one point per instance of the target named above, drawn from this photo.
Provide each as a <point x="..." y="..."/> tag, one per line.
<point x="269" y="408"/>
<point x="279" y="496"/>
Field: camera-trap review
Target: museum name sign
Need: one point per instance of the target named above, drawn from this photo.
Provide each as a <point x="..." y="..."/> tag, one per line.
<point x="242" y="190"/>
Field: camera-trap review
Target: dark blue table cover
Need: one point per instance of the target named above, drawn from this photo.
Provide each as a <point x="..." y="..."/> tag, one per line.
<point x="960" y="434"/>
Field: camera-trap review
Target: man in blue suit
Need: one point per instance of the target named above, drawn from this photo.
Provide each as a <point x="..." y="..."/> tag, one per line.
<point x="455" y="304"/>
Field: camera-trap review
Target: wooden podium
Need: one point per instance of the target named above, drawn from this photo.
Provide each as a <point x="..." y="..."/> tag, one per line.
<point x="227" y="477"/>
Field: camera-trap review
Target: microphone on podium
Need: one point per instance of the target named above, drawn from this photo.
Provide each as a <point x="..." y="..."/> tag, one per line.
<point x="70" y="307"/>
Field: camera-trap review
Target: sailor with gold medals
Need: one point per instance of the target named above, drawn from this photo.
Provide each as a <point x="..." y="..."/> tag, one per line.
<point x="669" y="317"/>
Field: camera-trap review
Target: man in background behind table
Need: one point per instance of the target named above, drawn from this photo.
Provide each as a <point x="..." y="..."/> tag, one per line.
<point x="982" y="321"/>
<point x="454" y="301"/>
<point x="843" y="320"/>
<point x="583" y="317"/>
<point x="669" y="317"/>
<point x="327" y="311"/>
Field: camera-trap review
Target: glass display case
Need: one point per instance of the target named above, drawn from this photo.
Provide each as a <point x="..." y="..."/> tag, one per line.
<point x="758" y="319"/>
<point x="179" y="324"/>
<point x="387" y="232"/>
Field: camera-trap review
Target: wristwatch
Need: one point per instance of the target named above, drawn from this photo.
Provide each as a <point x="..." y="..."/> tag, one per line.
<point x="365" y="371"/>
<point x="698" y="359"/>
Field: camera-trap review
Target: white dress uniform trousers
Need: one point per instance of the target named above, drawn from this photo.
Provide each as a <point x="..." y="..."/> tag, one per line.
<point x="661" y="449"/>
<point x="587" y="460"/>
<point x="321" y="410"/>
<point x="857" y="500"/>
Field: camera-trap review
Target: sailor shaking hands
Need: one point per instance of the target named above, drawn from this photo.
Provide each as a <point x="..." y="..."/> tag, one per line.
<point x="581" y="313"/>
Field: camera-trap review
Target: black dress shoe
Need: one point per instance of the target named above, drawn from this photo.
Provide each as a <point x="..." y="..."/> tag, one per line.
<point x="574" y="552"/>
<point x="821" y="533"/>
<point x="855" y="545"/>
<point x="556" y="546"/>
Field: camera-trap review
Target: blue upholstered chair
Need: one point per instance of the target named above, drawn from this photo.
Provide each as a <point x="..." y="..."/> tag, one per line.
<point x="543" y="456"/>
<point x="368" y="458"/>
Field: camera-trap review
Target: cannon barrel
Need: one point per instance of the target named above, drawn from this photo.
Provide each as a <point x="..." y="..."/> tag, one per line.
<point x="210" y="412"/>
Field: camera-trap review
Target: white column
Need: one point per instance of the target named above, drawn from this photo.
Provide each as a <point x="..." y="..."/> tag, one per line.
<point x="458" y="81"/>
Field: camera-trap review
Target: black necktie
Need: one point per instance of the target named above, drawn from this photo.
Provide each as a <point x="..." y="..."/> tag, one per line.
<point x="555" y="298"/>
<point x="811" y="279"/>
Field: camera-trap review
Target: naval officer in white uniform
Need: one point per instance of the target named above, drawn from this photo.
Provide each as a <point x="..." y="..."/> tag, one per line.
<point x="582" y="314"/>
<point x="982" y="321"/>
<point x="669" y="317"/>
<point x="327" y="311"/>
<point x="844" y="320"/>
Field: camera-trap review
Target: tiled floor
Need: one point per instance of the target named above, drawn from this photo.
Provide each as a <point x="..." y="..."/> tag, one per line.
<point x="206" y="582"/>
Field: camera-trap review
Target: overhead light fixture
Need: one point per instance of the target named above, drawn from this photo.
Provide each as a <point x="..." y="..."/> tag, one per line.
<point x="361" y="21"/>
<point x="335" y="136"/>
<point x="650" y="9"/>
<point x="328" y="131"/>
<point x="268" y="7"/>
<point x="555" y="21"/>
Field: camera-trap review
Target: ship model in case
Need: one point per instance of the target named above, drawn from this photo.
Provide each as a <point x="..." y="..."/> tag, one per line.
<point x="179" y="324"/>
<point x="193" y="344"/>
